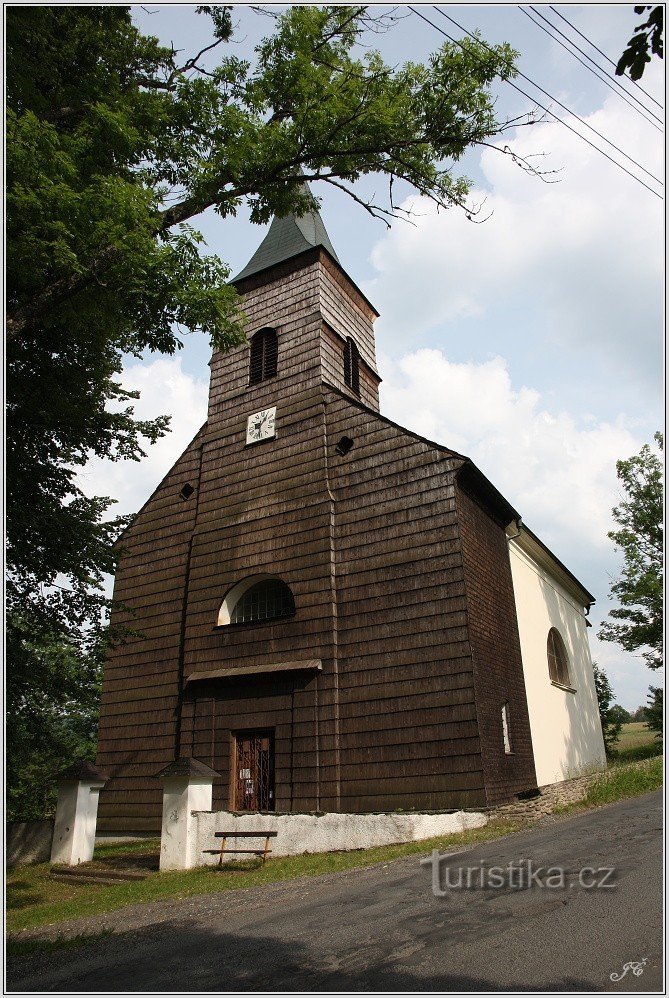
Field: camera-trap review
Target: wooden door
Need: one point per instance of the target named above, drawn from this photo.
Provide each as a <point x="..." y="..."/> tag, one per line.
<point x="254" y="771"/>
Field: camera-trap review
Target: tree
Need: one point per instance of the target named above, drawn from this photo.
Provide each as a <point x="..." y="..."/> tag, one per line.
<point x="619" y="713"/>
<point x="608" y="716"/>
<point x="637" y="622"/>
<point x="114" y="145"/>
<point x="646" y="36"/>
<point x="655" y="710"/>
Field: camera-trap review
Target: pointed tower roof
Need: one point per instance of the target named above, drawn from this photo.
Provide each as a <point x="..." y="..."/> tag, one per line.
<point x="286" y="238"/>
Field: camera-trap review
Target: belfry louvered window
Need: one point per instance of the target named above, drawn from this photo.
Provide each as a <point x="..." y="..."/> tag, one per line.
<point x="352" y="366"/>
<point x="268" y="599"/>
<point x="263" y="356"/>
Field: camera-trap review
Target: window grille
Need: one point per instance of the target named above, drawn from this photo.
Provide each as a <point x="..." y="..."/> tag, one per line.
<point x="269" y="599"/>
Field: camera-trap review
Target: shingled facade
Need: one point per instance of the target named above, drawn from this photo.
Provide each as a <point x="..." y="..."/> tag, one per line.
<point x="325" y="615"/>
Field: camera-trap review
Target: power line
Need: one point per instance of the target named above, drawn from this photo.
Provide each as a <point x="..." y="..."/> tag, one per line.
<point x="572" y="113"/>
<point x="530" y="98"/>
<point x="597" y="49"/>
<point x="606" y="79"/>
<point x="590" y="70"/>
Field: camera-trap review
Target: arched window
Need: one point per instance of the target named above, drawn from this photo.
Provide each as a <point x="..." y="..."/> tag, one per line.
<point x="558" y="660"/>
<point x="263" y="356"/>
<point x="352" y="366"/>
<point x="256" y="599"/>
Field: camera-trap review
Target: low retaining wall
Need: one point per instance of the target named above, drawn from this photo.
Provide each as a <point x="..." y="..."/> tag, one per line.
<point x="309" y="833"/>
<point x="29" y="842"/>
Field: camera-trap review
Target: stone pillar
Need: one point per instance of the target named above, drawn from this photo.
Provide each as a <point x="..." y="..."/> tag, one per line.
<point x="76" y="814"/>
<point x="187" y="787"/>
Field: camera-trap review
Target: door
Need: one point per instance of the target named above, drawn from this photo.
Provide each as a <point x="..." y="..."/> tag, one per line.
<point x="254" y="771"/>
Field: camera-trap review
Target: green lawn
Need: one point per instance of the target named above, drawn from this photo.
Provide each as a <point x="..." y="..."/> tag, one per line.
<point x="636" y="742"/>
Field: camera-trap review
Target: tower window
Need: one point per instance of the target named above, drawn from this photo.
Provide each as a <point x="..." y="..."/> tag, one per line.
<point x="558" y="661"/>
<point x="352" y="366"/>
<point x="263" y="356"/>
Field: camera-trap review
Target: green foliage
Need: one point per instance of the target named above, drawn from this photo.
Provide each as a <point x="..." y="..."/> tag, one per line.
<point x="113" y="145"/>
<point x="625" y="781"/>
<point x="655" y="710"/>
<point x="609" y="716"/>
<point x="646" y="35"/>
<point x="620" y="714"/>
<point x="53" y="717"/>
<point x="637" y="622"/>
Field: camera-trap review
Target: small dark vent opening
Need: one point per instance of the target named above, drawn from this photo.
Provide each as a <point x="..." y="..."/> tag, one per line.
<point x="344" y="446"/>
<point x="187" y="491"/>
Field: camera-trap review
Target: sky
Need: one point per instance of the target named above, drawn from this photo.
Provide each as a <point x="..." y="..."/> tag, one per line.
<point x="530" y="340"/>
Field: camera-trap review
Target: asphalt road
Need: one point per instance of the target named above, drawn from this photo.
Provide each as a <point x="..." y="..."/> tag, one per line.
<point x="383" y="928"/>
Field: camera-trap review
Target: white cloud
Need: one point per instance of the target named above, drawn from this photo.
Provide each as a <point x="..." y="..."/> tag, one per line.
<point x="559" y="268"/>
<point x="165" y="389"/>
<point x="557" y="471"/>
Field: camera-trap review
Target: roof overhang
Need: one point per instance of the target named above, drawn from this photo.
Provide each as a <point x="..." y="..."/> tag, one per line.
<point x="240" y="671"/>
<point x="535" y="549"/>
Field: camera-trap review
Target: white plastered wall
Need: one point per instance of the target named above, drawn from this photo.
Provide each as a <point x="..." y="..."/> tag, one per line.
<point x="566" y="730"/>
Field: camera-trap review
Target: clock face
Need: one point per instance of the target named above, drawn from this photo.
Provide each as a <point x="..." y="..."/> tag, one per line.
<point x="261" y="425"/>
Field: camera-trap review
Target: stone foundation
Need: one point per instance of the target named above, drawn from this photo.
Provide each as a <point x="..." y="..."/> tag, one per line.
<point x="553" y="795"/>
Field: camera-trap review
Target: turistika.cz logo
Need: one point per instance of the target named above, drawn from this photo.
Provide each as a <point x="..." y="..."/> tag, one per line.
<point x="520" y="875"/>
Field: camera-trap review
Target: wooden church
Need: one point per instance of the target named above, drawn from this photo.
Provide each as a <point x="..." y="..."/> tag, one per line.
<point x="323" y="601"/>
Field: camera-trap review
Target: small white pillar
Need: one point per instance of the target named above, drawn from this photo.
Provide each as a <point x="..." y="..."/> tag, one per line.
<point x="76" y="814"/>
<point x="187" y="787"/>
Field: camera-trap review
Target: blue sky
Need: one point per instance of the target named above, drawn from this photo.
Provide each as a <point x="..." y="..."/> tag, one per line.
<point x="531" y="342"/>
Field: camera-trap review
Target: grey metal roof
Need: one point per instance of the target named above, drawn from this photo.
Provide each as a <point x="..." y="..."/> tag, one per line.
<point x="82" y="771"/>
<point x="187" y="767"/>
<point x="286" y="238"/>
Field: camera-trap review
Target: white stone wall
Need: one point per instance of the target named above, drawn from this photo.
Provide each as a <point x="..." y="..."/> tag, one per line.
<point x="566" y="731"/>
<point x="312" y="833"/>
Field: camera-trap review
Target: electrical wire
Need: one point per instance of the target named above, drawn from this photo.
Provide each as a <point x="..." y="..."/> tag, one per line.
<point x="596" y="75"/>
<point x="564" y="108"/>
<point x="530" y="98"/>
<point x="597" y="49"/>
<point x="607" y="79"/>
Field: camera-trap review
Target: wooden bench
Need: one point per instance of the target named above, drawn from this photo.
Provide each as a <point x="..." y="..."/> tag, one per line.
<point x="224" y="836"/>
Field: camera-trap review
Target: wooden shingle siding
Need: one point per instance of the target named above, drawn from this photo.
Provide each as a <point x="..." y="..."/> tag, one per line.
<point x="137" y="729"/>
<point x="418" y="718"/>
<point x="384" y="556"/>
<point x="498" y="669"/>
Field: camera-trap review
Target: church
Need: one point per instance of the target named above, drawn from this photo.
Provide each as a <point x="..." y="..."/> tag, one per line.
<point x="330" y="611"/>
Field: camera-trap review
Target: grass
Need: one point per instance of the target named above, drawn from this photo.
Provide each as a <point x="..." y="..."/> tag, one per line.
<point x="636" y="742"/>
<point x="17" y="947"/>
<point x="618" y="783"/>
<point x="625" y="781"/>
<point x="34" y="899"/>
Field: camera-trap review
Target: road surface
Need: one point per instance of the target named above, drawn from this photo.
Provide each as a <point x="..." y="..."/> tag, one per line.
<point x="383" y="929"/>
